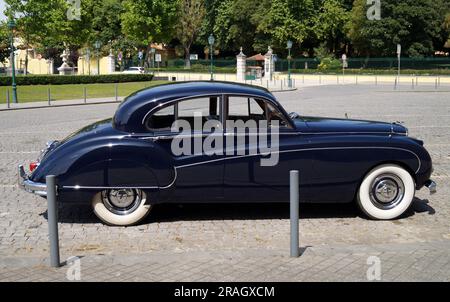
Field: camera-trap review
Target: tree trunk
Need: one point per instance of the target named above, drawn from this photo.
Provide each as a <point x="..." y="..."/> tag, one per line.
<point x="187" y="57"/>
<point x="26" y="61"/>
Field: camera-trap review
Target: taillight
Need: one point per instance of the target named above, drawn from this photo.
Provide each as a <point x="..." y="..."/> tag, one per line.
<point x="33" y="166"/>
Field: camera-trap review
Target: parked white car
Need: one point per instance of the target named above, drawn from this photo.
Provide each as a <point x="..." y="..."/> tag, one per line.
<point x="134" y="70"/>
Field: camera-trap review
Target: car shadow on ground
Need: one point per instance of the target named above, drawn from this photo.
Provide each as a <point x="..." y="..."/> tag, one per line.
<point x="82" y="214"/>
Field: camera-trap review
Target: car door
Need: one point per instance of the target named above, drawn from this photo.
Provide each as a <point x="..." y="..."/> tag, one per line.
<point x="199" y="174"/>
<point x="246" y="178"/>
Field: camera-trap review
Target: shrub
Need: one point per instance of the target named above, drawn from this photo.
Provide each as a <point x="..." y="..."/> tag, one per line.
<point x="75" y="79"/>
<point x="329" y="64"/>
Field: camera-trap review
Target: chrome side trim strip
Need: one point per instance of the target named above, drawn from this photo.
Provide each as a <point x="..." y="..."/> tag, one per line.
<point x="301" y="150"/>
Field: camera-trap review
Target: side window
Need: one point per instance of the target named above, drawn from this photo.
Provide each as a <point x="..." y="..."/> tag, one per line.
<point x="251" y="109"/>
<point x="204" y="109"/>
<point x="162" y="119"/>
<point x="245" y="108"/>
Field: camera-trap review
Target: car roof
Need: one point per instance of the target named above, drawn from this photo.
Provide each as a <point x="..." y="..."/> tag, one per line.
<point x="132" y="110"/>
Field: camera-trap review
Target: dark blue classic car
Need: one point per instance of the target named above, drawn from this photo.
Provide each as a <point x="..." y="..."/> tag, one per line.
<point x="126" y="164"/>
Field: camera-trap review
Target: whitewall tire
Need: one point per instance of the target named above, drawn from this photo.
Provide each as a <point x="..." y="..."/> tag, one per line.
<point x="386" y="192"/>
<point x="121" y="207"/>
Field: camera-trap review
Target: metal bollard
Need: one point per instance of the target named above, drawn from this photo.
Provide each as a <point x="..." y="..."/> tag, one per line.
<point x="116" y="93"/>
<point x="85" y="95"/>
<point x="49" y="96"/>
<point x="412" y="84"/>
<point x="281" y="85"/>
<point x="294" y="209"/>
<point x="8" y="100"/>
<point x="52" y="218"/>
<point x="395" y="84"/>
<point x="435" y="83"/>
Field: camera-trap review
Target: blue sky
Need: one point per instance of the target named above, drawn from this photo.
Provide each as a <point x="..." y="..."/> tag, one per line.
<point x="2" y="8"/>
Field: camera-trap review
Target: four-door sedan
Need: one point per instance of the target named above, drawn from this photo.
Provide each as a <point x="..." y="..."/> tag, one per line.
<point x="125" y="165"/>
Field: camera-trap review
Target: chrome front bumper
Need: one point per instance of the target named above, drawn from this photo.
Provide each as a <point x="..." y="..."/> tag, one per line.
<point x="31" y="186"/>
<point x="432" y="186"/>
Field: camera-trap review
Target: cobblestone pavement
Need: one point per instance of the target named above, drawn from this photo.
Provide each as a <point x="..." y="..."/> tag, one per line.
<point x="234" y="242"/>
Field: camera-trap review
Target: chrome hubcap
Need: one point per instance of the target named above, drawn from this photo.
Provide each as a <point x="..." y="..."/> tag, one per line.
<point x="121" y="201"/>
<point x="387" y="191"/>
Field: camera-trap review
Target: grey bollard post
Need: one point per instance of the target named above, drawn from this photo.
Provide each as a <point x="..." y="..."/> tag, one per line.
<point x="52" y="218"/>
<point x="294" y="209"/>
<point x="85" y="95"/>
<point x="49" y="96"/>
<point x="116" y="91"/>
<point x="8" y="100"/>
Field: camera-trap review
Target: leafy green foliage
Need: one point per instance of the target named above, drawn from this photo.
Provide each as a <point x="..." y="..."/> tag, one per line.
<point x="190" y="18"/>
<point x="4" y="42"/>
<point x="148" y="21"/>
<point x="416" y="24"/>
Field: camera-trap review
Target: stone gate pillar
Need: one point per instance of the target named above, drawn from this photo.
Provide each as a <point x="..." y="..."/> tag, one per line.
<point x="241" y="66"/>
<point x="269" y="65"/>
<point x="110" y="63"/>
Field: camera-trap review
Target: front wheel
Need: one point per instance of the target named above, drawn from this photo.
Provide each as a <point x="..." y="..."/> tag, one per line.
<point x="121" y="207"/>
<point x="386" y="192"/>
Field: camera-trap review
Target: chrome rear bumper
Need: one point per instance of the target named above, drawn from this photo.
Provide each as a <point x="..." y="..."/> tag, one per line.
<point x="31" y="186"/>
<point x="432" y="186"/>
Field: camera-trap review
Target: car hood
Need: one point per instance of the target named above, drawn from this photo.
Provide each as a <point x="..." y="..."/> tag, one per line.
<point x="334" y="125"/>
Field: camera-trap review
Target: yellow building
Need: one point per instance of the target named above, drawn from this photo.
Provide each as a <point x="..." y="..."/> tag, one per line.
<point x="40" y="66"/>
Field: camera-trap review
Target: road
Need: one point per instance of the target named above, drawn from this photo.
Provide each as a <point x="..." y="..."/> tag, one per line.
<point x="234" y="242"/>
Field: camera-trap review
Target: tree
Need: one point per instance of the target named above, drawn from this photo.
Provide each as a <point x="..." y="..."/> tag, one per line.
<point x="234" y="26"/>
<point x="149" y="21"/>
<point x="284" y="20"/>
<point x="190" y="16"/>
<point x="447" y="29"/>
<point x="4" y="42"/>
<point x="44" y="24"/>
<point x="416" y="24"/>
<point x="329" y="23"/>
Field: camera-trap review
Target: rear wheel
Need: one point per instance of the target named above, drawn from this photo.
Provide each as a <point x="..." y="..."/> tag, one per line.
<point x="121" y="207"/>
<point x="386" y="192"/>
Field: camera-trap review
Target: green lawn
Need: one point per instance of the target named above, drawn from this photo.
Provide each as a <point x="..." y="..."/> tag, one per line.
<point x="37" y="93"/>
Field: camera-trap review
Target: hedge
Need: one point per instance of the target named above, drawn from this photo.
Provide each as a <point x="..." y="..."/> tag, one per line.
<point x="75" y="79"/>
<point x="427" y="72"/>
